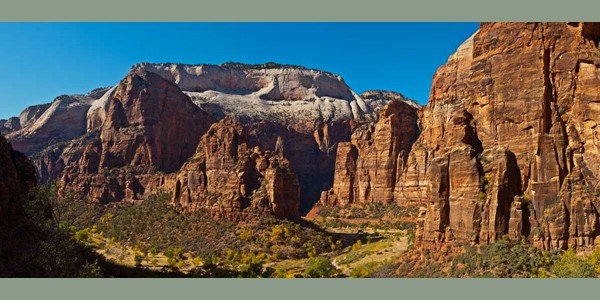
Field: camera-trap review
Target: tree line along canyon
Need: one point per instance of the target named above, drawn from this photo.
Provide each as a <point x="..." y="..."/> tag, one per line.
<point x="272" y="170"/>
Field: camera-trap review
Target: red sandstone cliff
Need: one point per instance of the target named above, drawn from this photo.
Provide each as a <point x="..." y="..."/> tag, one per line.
<point x="367" y="167"/>
<point x="150" y="126"/>
<point x="508" y="142"/>
<point x="226" y="176"/>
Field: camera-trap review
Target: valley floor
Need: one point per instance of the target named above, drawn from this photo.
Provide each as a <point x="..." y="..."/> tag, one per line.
<point x="379" y="246"/>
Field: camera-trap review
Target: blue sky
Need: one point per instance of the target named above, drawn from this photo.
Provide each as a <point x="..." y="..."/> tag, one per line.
<point x="43" y="60"/>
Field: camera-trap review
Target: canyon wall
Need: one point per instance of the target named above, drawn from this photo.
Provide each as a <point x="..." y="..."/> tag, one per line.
<point x="226" y="176"/>
<point x="508" y="142"/>
<point x="119" y="143"/>
<point x="368" y="166"/>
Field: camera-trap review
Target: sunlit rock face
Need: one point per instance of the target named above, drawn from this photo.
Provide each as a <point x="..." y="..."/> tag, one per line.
<point x="311" y="110"/>
<point x="367" y="166"/>
<point x="227" y="177"/>
<point x="108" y="143"/>
<point x="509" y="137"/>
<point x="507" y="145"/>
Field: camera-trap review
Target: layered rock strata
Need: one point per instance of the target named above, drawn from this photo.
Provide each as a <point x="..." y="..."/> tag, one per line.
<point x="226" y="176"/>
<point x="367" y="167"/>
<point x="513" y="117"/>
<point x="508" y="142"/>
<point x="150" y="127"/>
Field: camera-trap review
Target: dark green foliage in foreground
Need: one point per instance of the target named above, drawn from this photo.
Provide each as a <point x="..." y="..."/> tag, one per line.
<point x="47" y="246"/>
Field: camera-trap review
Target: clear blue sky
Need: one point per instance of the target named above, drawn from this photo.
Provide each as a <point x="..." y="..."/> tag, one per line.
<point x="40" y="61"/>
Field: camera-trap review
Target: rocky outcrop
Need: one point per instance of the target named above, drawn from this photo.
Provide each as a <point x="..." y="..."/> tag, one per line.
<point x="10" y="125"/>
<point x="227" y="177"/>
<point x="150" y="127"/>
<point x="42" y="126"/>
<point x="17" y="177"/>
<point x="367" y="167"/>
<point x="513" y="118"/>
<point x="311" y="110"/>
<point x="377" y="99"/>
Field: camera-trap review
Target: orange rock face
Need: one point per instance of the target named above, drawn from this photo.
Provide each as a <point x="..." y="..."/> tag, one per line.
<point x="150" y="127"/>
<point x="367" y="167"/>
<point x="225" y="176"/>
<point x="508" y="143"/>
<point x="513" y="114"/>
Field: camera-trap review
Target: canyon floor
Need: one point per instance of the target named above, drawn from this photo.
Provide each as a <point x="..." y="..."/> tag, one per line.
<point x="361" y="243"/>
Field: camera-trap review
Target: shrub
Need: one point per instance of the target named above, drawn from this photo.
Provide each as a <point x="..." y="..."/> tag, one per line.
<point x="364" y="270"/>
<point x="569" y="265"/>
<point x="83" y="236"/>
<point x="320" y="267"/>
<point x="138" y="258"/>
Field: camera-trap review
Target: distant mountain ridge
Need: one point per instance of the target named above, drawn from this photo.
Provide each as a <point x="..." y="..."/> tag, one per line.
<point x="77" y="139"/>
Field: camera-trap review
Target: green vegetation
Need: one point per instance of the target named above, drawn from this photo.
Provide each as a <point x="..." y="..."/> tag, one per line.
<point x="505" y="258"/>
<point x="569" y="265"/>
<point x="65" y="236"/>
<point x="502" y="259"/>
<point x="320" y="267"/>
<point x="375" y="215"/>
<point x="365" y="270"/>
<point x="50" y="246"/>
<point x="484" y="186"/>
<point x="193" y="242"/>
<point x="157" y="226"/>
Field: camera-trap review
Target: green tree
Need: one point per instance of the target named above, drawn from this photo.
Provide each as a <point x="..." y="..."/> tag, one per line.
<point x="138" y="258"/>
<point x="320" y="267"/>
<point x="569" y="265"/>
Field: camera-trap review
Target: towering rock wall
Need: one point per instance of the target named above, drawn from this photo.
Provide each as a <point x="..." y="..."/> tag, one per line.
<point x="368" y="166"/>
<point x="509" y="138"/>
<point x="508" y="143"/>
<point x="150" y="127"/>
